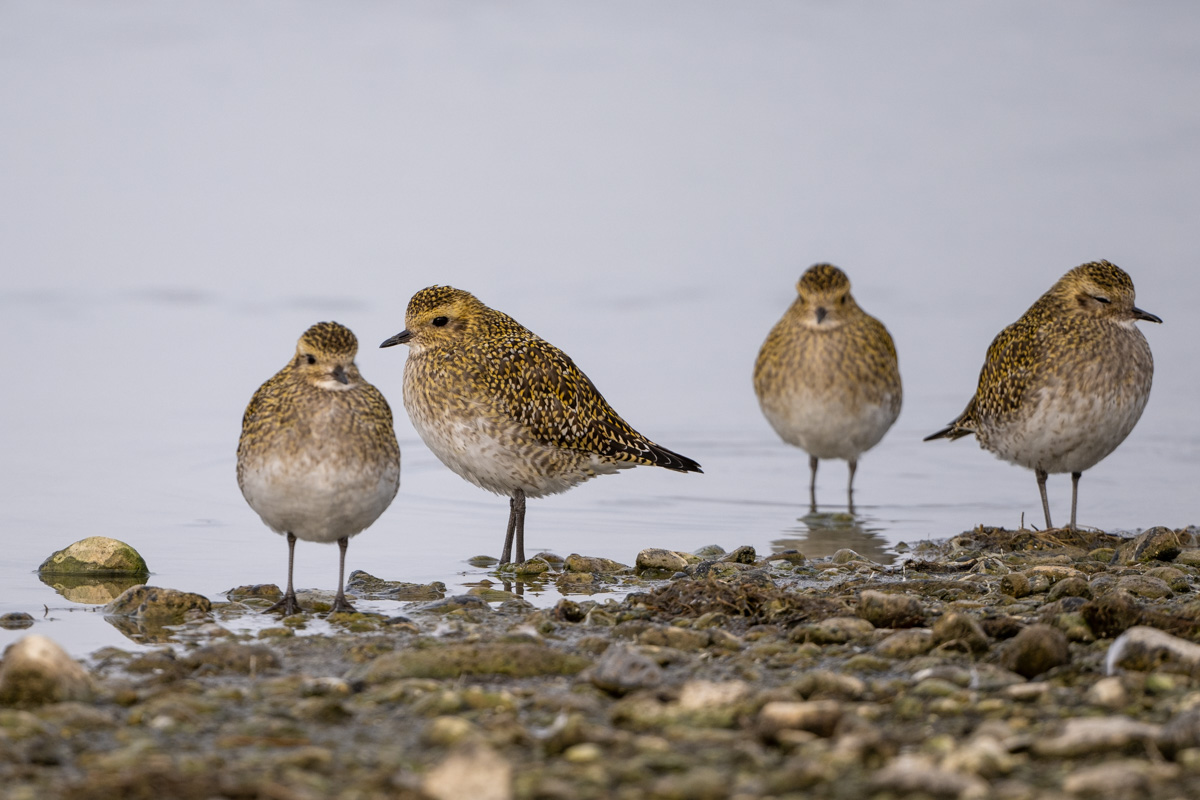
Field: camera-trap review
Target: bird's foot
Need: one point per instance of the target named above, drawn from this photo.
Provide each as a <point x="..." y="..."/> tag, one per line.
<point x="342" y="606"/>
<point x="287" y="606"/>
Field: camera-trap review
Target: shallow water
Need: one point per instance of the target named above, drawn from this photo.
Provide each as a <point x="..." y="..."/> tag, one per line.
<point x="188" y="187"/>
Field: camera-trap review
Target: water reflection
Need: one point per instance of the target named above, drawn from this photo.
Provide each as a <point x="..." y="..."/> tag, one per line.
<point x="821" y="534"/>
<point x="92" y="591"/>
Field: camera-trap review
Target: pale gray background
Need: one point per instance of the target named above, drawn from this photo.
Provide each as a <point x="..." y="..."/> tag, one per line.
<point x="185" y="187"/>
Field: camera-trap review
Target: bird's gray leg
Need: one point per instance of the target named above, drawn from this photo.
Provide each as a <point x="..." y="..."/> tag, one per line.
<point x="850" y="486"/>
<point x="812" y="484"/>
<point x="1074" y="495"/>
<point x="339" y="602"/>
<point x="519" y="505"/>
<point x="516" y="528"/>
<point x="1041" y="479"/>
<point x="288" y="604"/>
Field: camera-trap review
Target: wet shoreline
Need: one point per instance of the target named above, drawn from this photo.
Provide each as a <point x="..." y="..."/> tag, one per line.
<point x="982" y="666"/>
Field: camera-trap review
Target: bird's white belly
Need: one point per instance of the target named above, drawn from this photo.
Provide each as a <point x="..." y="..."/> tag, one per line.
<point x="501" y="460"/>
<point x="1066" y="433"/>
<point x="827" y="428"/>
<point x="316" y="501"/>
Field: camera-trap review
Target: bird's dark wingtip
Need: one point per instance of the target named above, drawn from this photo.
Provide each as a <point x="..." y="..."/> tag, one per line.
<point x="952" y="431"/>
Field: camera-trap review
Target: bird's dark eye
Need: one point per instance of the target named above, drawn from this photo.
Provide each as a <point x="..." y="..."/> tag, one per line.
<point x="1104" y="300"/>
<point x="440" y="322"/>
<point x="312" y="359"/>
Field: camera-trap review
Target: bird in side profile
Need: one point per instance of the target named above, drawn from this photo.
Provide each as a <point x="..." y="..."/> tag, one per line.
<point x="827" y="378"/>
<point x="1064" y="385"/>
<point x="318" y="458"/>
<point x="507" y="410"/>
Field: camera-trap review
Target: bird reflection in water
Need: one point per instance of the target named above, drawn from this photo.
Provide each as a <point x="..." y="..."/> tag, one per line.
<point x="821" y="534"/>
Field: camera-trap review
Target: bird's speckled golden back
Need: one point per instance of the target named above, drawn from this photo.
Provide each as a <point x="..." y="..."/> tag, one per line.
<point x="825" y="340"/>
<point x="285" y="414"/>
<point x="1079" y="333"/>
<point x="469" y="361"/>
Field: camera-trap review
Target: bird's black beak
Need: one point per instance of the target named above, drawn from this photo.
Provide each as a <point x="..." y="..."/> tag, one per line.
<point x="400" y="338"/>
<point x="1146" y="315"/>
<point x="821" y="312"/>
<point x="339" y="375"/>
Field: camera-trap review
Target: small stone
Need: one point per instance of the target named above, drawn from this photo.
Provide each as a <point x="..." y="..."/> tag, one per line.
<point x="475" y="771"/>
<point x="533" y="566"/>
<point x="1174" y="577"/>
<point x="1156" y="544"/>
<point x="670" y="636"/>
<point x="1145" y="586"/>
<point x="794" y="557"/>
<point x="1110" y="614"/>
<point x="1075" y="586"/>
<point x="95" y="555"/>
<point x="1086" y="736"/>
<point x="834" y="630"/>
<point x="815" y="716"/>
<point x="16" y="620"/>
<point x="592" y="564"/>
<point x="1015" y="584"/>
<point x="742" y="555"/>
<point x="1182" y="731"/>
<point x="906" y="644"/>
<point x="155" y="603"/>
<point x="1144" y="649"/>
<point x="917" y="774"/>
<point x="847" y="556"/>
<point x="36" y="671"/>
<point x="583" y="753"/>
<point x="962" y="629"/>
<point x="447" y="731"/>
<point x="455" y="603"/>
<point x="1036" y="649"/>
<point x="890" y="610"/>
<point x="697" y="695"/>
<point x="621" y="670"/>
<point x="660" y="559"/>
<point x="1109" y="693"/>
<point x="1130" y="777"/>
<point x="266" y="591"/>
<point x="248" y="659"/>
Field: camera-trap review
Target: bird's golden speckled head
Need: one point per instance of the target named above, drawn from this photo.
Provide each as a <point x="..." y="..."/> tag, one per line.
<point x="438" y="316"/>
<point x="825" y="298"/>
<point x="325" y="357"/>
<point x="1099" y="289"/>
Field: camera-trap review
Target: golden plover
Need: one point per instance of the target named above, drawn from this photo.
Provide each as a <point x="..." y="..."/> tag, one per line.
<point x="318" y="458"/>
<point x="827" y="377"/>
<point x="507" y="410"/>
<point x="1064" y="385"/>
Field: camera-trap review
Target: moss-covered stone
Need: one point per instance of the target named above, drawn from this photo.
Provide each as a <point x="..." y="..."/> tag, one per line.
<point x="95" y="555"/>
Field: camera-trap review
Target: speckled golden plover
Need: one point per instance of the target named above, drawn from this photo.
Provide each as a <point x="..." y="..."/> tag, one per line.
<point x="507" y="410"/>
<point x="827" y="377"/>
<point x="1064" y="385"/>
<point x="318" y="458"/>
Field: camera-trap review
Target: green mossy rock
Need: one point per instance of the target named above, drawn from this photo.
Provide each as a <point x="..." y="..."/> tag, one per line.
<point x="96" y="555"/>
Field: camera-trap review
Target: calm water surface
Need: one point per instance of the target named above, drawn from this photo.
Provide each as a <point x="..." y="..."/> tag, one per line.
<point x="189" y="187"/>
